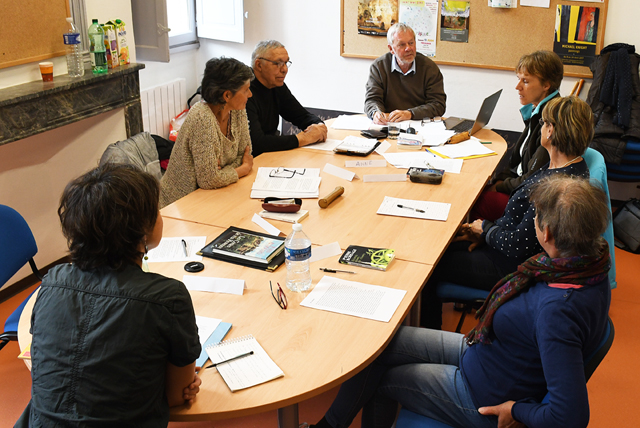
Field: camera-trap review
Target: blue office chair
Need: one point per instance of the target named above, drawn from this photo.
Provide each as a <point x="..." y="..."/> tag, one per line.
<point x="409" y="419"/>
<point x="18" y="248"/>
<point x="469" y="298"/>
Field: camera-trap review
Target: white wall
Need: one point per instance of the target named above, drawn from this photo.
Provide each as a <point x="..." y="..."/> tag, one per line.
<point x="34" y="171"/>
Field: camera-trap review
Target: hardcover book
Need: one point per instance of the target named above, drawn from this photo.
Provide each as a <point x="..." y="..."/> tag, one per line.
<point x="373" y="258"/>
<point x="246" y="247"/>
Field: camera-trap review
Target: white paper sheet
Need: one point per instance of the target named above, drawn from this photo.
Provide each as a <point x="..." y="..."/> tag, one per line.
<point x="352" y="122"/>
<point x="383" y="147"/>
<point x="537" y="3"/>
<point x="327" y="146"/>
<point x="436" y="138"/>
<point x="214" y="285"/>
<point x="432" y="210"/>
<point x="354" y="298"/>
<point x="421" y="159"/>
<point x="268" y="227"/>
<point x="206" y="326"/>
<point x="171" y="249"/>
<point x="369" y="163"/>
<point x="339" y="172"/>
<point x="375" y="178"/>
<point x="325" y="251"/>
<point x="294" y="187"/>
<point x="464" y="149"/>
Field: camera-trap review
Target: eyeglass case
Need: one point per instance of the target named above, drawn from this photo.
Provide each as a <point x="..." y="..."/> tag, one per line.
<point x="270" y="204"/>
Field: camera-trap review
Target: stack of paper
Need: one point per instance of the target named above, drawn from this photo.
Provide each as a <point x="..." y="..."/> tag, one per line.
<point x="286" y="183"/>
<point x="423" y="160"/>
<point x="465" y="150"/>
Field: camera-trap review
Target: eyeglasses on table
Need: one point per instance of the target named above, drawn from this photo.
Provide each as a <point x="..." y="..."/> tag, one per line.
<point x="279" y="296"/>
<point x="281" y="172"/>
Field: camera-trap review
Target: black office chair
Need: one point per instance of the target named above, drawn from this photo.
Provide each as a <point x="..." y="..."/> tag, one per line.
<point x="409" y="419"/>
<point x="18" y="248"/>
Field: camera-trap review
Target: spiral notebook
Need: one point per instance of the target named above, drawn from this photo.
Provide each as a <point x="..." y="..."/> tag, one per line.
<point x="246" y="371"/>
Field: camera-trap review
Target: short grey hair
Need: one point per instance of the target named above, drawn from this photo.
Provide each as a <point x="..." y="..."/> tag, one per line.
<point x="262" y="48"/>
<point x="397" y="28"/>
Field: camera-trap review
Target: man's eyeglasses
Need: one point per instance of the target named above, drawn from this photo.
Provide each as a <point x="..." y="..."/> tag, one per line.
<point x="279" y="296"/>
<point x="281" y="172"/>
<point x="430" y="120"/>
<point x="278" y="64"/>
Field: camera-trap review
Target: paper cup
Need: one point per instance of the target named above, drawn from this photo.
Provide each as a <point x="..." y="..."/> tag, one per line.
<point x="46" y="70"/>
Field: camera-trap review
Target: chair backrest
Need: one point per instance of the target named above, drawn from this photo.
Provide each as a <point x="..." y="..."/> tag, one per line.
<point x="139" y="150"/>
<point x="598" y="172"/>
<point x="17" y="244"/>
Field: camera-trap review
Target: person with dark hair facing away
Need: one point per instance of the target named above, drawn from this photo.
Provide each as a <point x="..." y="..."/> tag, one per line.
<point x="534" y="331"/>
<point x="490" y="250"/>
<point x="112" y="345"/>
<point x="539" y="76"/>
<point x="213" y="148"/>
<point x="272" y="99"/>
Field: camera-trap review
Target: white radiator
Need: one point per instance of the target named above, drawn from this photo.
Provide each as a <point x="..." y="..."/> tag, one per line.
<point x="162" y="103"/>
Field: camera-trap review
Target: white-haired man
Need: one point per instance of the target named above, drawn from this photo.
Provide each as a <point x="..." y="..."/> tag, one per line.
<point x="272" y="99"/>
<point x="403" y="84"/>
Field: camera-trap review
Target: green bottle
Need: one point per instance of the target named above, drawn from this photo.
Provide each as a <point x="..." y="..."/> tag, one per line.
<point x="97" y="49"/>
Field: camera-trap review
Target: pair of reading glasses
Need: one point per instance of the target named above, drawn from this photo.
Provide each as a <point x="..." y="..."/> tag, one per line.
<point x="430" y="120"/>
<point x="278" y="64"/>
<point x="281" y="172"/>
<point x="279" y="296"/>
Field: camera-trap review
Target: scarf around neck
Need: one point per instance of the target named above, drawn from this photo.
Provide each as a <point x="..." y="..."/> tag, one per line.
<point x="571" y="270"/>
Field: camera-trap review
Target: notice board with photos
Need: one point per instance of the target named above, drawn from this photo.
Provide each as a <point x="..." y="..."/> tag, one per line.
<point x="31" y="30"/>
<point x="497" y="37"/>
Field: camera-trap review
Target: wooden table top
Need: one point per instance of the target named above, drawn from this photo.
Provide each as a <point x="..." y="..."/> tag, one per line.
<point x="317" y="350"/>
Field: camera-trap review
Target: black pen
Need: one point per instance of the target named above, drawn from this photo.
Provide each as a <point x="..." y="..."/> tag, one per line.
<point x="230" y="359"/>
<point x="411" y="208"/>
<point x="184" y="247"/>
<point x="335" y="270"/>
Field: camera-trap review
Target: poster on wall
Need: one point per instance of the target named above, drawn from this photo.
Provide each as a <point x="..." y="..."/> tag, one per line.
<point x="422" y="16"/>
<point x="376" y="16"/>
<point x="576" y="34"/>
<point x="508" y="4"/>
<point x="454" y="24"/>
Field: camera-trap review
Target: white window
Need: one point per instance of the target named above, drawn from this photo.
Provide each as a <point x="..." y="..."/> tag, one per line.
<point x="181" y="16"/>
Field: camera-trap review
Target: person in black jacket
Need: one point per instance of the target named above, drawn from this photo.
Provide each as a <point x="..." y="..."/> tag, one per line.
<point x="539" y="77"/>
<point x="272" y="99"/>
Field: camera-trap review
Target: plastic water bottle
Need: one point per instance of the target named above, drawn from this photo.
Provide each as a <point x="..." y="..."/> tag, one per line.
<point x="98" y="51"/>
<point x="75" y="64"/>
<point x="297" y="250"/>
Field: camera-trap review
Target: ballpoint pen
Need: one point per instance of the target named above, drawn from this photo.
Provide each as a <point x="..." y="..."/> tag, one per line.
<point x="335" y="270"/>
<point x="184" y="247"/>
<point x="230" y="359"/>
<point x="411" y="208"/>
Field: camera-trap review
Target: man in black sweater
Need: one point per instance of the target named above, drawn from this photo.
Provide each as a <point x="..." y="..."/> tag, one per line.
<point x="272" y="98"/>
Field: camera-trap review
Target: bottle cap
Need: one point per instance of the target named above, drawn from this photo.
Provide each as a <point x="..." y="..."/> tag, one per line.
<point x="297" y="227"/>
<point x="95" y="21"/>
<point x="69" y="20"/>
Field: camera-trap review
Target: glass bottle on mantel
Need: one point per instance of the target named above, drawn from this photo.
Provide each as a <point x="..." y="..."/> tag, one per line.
<point x="97" y="49"/>
<point x="75" y="64"/>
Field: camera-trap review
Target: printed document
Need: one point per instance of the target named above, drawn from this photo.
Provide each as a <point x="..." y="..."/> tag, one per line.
<point x="172" y="249"/>
<point x="354" y="298"/>
<point x="472" y="147"/>
<point x="415" y="209"/>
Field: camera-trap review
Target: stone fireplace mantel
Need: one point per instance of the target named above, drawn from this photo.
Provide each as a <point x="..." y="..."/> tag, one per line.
<point x="34" y="107"/>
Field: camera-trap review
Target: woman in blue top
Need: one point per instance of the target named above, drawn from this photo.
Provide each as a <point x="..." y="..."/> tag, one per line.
<point x="533" y="333"/>
<point x="486" y="251"/>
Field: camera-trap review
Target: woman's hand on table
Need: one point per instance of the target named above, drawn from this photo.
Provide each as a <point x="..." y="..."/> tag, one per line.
<point x="247" y="163"/>
<point x="503" y="412"/>
<point x="190" y="392"/>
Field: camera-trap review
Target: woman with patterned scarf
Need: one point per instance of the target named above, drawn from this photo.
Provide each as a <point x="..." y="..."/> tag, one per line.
<point x="534" y="330"/>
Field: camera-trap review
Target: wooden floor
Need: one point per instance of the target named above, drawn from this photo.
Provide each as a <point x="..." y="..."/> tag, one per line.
<point x="613" y="389"/>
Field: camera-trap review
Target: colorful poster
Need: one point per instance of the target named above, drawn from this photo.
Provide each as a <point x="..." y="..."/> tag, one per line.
<point x="454" y="24"/>
<point x="422" y="16"/>
<point x="576" y="34"/>
<point x="376" y="16"/>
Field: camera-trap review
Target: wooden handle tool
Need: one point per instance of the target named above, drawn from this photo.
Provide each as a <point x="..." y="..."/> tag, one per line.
<point x="459" y="138"/>
<point x="324" y="202"/>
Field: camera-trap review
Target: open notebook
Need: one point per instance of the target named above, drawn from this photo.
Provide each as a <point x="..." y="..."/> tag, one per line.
<point x="246" y="371"/>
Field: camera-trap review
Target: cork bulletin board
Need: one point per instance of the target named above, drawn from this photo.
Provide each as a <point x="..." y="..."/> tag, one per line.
<point x="497" y="37"/>
<point x="31" y="30"/>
